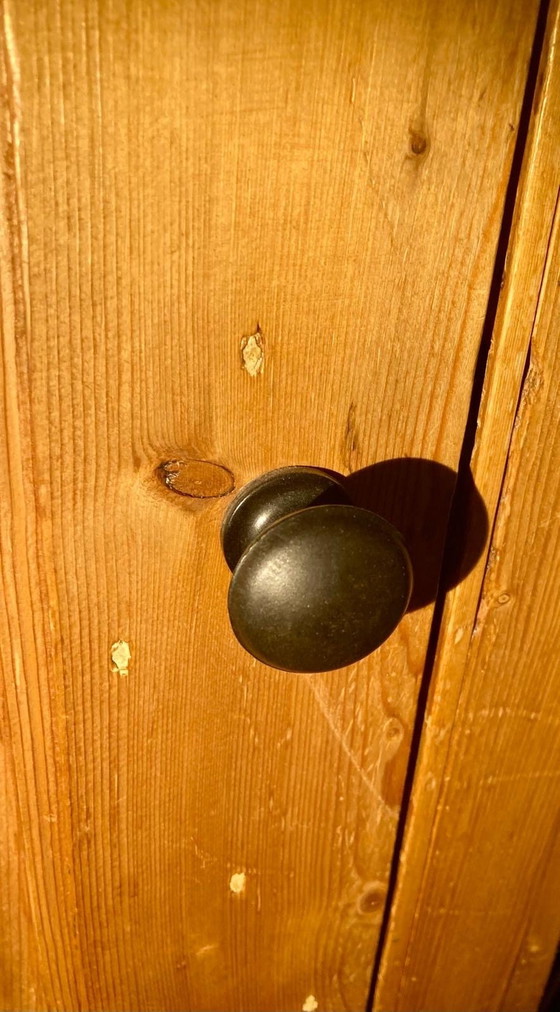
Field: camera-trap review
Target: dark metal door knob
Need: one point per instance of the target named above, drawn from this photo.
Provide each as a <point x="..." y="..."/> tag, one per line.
<point x="317" y="582"/>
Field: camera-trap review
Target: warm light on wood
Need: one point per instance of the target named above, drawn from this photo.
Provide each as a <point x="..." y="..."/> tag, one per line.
<point x="233" y="236"/>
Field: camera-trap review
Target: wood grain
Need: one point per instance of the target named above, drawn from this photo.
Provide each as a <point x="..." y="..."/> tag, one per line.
<point x="249" y="233"/>
<point x="479" y="871"/>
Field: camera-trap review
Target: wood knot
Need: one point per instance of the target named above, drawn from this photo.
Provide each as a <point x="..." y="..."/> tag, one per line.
<point x="372" y="900"/>
<point x="197" y="479"/>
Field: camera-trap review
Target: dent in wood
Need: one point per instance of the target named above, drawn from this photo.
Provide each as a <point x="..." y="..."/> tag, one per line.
<point x="351" y="444"/>
<point x="372" y="900"/>
<point x="396" y="761"/>
<point x="252" y="353"/>
<point x="120" y="656"/>
<point x="418" y="139"/>
<point x="238" y="882"/>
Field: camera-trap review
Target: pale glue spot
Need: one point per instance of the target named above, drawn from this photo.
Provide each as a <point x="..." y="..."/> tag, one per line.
<point x="310" y="1004"/>
<point x="120" y="656"/>
<point x="252" y="353"/>
<point x="237" y="882"/>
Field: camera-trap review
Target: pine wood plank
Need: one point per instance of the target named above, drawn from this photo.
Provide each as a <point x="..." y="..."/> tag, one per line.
<point x="253" y="233"/>
<point x="478" y="890"/>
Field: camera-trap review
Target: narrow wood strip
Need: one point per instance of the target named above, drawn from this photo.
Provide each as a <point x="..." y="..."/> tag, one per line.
<point x="473" y="926"/>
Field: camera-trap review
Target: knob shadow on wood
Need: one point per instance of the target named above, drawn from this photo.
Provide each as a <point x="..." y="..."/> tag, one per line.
<point x="415" y="495"/>
<point x="323" y="565"/>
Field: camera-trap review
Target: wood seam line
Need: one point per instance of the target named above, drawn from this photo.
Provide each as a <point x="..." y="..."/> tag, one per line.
<point x="519" y="405"/>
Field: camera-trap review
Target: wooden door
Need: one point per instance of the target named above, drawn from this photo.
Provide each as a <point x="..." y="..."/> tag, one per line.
<point x="236" y="234"/>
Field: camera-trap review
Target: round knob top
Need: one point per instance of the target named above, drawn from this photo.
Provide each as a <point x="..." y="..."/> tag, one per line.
<point x="320" y="588"/>
<point x="273" y="496"/>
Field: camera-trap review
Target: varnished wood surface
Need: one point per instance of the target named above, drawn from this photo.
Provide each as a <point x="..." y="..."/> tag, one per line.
<point x="251" y="234"/>
<point x="478" y="893"/>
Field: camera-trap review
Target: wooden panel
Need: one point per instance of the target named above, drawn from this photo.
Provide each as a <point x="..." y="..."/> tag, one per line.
<point x="185" y="828"/>
<point x="479" y="872"/>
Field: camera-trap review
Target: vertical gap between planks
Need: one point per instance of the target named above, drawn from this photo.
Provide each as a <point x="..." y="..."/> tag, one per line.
<point x="457" y="517"/>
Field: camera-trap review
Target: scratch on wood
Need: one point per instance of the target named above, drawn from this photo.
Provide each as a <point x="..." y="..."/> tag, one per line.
<point x="203" y="855"/>
<point x="520" y="775"/>
<point x="205" y="949"/>
<point x="549" y="520"/>
<point x="319" y="690"/>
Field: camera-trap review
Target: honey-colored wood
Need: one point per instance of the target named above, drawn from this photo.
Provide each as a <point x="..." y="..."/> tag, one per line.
<point x="249" y="233"/>
<point x="478" y="893"/>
